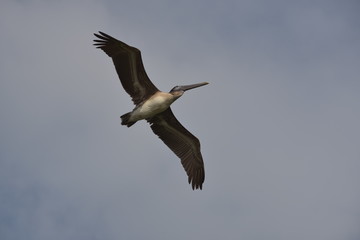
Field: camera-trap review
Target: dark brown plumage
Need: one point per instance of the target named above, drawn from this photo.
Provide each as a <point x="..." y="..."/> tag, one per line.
<point x="185" y="145"/>
<point x="129" y="67"/>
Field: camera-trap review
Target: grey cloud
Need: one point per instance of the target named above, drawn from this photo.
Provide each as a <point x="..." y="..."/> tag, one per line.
<point x="278" y="123"/>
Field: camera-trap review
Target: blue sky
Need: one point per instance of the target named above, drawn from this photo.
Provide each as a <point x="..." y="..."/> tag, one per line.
<point x="278" y="123"/>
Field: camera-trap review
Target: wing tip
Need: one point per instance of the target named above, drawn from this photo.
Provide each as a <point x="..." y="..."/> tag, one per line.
<point x="101" y="34"/>
<point x="196" y="186"/>
<point x="103" y="38"/>
<point x="196" y="180"/>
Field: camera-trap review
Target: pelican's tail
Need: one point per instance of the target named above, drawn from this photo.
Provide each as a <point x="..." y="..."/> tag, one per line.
<point x="125" y="120"/>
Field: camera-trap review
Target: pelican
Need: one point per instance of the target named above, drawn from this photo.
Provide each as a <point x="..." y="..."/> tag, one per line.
<point x="153" y="105"/>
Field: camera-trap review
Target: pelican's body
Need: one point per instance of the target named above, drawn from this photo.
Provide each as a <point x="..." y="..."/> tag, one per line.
<point x="154" y="106"/>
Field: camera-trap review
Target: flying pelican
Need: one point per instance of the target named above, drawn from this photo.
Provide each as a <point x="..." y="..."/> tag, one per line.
<point x="154" y="105"/>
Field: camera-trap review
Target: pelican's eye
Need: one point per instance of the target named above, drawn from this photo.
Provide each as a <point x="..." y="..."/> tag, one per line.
<point x="176" y="88"/>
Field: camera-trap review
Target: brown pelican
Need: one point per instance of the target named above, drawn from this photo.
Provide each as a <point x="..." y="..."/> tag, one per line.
<point x="154" y="106"/>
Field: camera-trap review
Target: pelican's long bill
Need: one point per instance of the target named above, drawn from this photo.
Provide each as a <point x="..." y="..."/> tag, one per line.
<point x="191" y="86"/>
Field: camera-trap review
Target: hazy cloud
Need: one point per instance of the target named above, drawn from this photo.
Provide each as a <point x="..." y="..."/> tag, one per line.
<point x="279" y="122"/>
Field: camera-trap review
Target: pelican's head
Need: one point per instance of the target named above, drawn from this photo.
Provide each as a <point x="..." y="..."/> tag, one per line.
<point x="178" y="91"/>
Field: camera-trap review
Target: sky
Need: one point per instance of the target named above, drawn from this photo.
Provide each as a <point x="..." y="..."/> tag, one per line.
<point x="278" y="123"/>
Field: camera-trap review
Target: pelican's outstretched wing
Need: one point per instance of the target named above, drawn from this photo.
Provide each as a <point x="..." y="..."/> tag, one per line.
<point x="129" y="67"/>
<point x="185" y="145"/>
